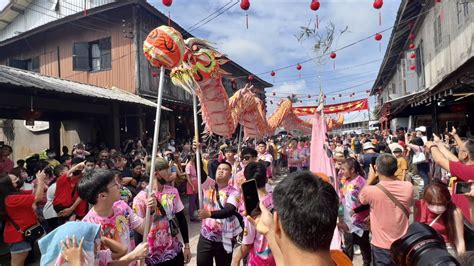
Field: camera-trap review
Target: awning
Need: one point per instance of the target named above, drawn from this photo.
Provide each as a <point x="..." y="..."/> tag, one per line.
<point x="27" y="79"/>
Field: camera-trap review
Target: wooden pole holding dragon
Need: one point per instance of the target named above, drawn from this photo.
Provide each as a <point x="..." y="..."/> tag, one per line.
<point x="163" y="47"/>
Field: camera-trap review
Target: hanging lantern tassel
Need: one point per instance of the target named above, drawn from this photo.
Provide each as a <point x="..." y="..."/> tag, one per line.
<point x="380" y="18"/>
<point x="317" y="21"/>
<point x="169" y="18"/>
<point x="245" y="5"/>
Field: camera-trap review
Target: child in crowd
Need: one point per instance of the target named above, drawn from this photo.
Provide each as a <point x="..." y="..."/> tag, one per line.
<point x="100" y="189"/>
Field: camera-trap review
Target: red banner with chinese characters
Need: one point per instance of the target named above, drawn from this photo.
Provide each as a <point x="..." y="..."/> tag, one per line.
<point x="352" y="106"/>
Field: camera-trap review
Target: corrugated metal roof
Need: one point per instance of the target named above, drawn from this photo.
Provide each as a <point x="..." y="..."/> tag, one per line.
<point x="28" y="79"/>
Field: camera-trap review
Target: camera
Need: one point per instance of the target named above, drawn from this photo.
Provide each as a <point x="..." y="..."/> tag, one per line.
<point x="421" y="245"/>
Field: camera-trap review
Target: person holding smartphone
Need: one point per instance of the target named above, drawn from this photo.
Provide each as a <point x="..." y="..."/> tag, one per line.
<point x="253" y="243"/>
<point x="460" y="166"/>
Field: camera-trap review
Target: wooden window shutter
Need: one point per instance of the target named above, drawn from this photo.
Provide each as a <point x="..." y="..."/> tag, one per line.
<point x="35" y="64"/>
<point x="20" y="64"/>
<point x="105" y="47"/>
<point x="80" y="56"/>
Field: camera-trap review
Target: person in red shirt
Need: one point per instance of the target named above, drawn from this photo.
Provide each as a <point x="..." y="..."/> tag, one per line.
<point x="17" y="207"/>
<point x="67" y="202"/>
<point x="461" y="166"/>
<point x="437" y="210"/>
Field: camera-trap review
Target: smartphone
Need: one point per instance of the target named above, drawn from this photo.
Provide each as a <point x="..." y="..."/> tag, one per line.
<point x="462" y="188"/>
<point x="251" y="201"/>
<point x="374" y="159"/>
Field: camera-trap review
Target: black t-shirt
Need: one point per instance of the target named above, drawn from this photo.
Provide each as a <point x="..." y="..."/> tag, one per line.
<point x="367" y="158"/>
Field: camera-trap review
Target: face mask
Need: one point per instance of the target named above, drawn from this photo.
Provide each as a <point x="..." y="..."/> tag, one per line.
<point x="76" y="173"/>
<point x="162" y="181"/>
<point x="436" y="209"/>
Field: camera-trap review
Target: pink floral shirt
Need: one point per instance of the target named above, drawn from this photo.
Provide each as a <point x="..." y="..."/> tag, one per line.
<point x="117" y="226"/>
<point x="211" y="229"/>
<point x="162" y="246"/>
<point x="260" y="254"/>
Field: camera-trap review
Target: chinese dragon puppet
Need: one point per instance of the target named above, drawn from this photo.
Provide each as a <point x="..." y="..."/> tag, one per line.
<point x="195" y="66"/>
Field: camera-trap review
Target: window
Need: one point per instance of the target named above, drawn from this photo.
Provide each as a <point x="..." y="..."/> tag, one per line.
<point x="92" y="56"/>
<point x="437" y="31"/>
<point x="31" y="64"/>
<point x="420" y="64"/>
<point x="459" y="10"/>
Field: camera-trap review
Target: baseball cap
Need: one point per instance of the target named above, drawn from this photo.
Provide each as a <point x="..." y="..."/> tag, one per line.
<point x="421" y="128"/>
<point x="367" y="146"/>
<point x="397" y="150"/>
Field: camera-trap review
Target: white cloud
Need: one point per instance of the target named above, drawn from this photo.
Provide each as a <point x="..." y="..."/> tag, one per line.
<point x="269" y="43"/>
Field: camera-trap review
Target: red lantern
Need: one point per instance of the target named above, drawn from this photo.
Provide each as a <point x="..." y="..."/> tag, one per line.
<point x="378" y="37"/>
<point x="438" y="1"/>
<point x="413" y="55"/>
<point x="324" y="96"/>
<point x="309" y="96"/>
<point x="167" y="2"/>
<point x="378" y="4"/>
<point x="250" y="78"/>
<point x="245" y="4"/>
<point x="411" y="46"/>
<point x="154" y="74"/>
<point x="298" y="66"/>
<point x="413" y="67"/>
<point x="333" y="55"/>
<point x="367" y="91"/>
<point x="411" y="37"/>
<point x="340" y="95"/>
<point x="301" y="101"/>
<point x="274" y="94"/>
<point x="272" y="73"/>
<point x="333" y="98"/>
<point x="315" y="5"/>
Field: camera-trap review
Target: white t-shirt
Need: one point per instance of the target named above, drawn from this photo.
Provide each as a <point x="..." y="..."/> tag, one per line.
<point x="48" y="210"/>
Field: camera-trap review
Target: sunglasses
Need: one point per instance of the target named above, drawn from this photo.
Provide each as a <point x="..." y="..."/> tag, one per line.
<point x="246" y="157"/>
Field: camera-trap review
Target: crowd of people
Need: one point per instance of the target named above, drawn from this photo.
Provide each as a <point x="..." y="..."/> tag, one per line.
<point x="88" y="206"/>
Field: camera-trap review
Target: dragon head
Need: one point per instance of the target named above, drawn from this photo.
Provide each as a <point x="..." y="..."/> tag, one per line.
<point x="201" y="62"/>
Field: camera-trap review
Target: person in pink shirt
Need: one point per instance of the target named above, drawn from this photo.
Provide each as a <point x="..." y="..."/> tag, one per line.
<point x="294" y="157"/>
<point x="100" y="189"/>
<point x="168" y="217"/>
<point x="388" y="220"/>
<point x="220" y="224"/>
<point x="253" y="243"/>
<point x="192" y="186"/>
<point x="265" y="157"/>
<point x="247" y="155"/>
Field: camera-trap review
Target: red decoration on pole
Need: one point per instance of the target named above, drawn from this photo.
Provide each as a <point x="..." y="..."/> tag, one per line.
<point x="378" y="37"/>
<point x="378" y="4"/>
<point x="245" y="4"/>
<point x="315" y="4"/>
<point x="299" y="67"/>
<point x="333" y="55"/>
<point x="411" y="46"/>
<point x="413" y="67"/>
<point x="411" y="37"/>
<point x="167" y="2"/>
<point x="413" y="56"/>
<point x="250" y="78"/>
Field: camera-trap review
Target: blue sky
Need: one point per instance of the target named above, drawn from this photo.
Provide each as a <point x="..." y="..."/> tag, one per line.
<point x="269" y="43"/>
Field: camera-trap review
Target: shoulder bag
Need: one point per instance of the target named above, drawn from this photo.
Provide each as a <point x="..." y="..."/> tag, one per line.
<point x="394" y="200"/>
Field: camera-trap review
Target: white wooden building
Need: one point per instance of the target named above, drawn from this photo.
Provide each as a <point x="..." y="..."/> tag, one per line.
<point x="427" y="75"/>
